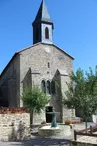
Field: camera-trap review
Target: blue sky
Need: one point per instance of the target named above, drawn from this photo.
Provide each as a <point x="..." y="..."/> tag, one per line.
<point x="75" y="30"/>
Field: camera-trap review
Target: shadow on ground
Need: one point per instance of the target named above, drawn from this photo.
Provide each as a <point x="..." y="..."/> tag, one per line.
<point x="42" y="142"/>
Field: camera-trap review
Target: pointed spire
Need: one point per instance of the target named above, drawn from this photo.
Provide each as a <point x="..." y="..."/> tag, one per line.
<point x="42" y="14"/>
<point x="42" y="26"/>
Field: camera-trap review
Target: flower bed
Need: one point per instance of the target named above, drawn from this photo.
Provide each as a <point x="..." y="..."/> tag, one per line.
<point x="68" y="122"/>
<point x="5" y="110"/>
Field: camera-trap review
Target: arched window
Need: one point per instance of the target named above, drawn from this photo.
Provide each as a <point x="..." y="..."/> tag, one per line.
<point x="48" y="65"/>
<point x="37" y="33"/>
<point x="48" y="86"/>
<point x="46" y="33"/>
<point x="43" y="86"/>
<point x="53" y="90"/>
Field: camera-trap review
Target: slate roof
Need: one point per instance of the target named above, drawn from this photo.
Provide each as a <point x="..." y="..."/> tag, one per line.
<point x="42" y="14"/>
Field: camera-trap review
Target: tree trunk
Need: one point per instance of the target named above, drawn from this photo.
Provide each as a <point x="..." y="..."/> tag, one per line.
<point x="86" y="125"/>
<point x="31" y="117"/>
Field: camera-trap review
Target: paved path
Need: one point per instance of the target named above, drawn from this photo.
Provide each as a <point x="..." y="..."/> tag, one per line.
<point x="38" y="142"/>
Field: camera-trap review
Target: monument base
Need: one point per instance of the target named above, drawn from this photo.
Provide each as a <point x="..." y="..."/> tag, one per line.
<point x="59" y="131"/>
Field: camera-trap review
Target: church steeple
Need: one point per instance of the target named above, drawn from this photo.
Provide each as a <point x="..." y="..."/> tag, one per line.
<point x="42" y="26"/>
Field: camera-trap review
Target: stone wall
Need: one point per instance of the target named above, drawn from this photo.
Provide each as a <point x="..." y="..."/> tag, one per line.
<point x="38" y="118"/>
<point x="14" y="126"/>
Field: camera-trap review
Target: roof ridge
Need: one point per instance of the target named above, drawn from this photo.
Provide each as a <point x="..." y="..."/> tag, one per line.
<point x="46" y="44"/>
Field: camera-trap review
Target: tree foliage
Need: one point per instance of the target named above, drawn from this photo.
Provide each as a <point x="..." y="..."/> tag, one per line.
<point x="34" y="98"/>
<point x="82" y="92"/>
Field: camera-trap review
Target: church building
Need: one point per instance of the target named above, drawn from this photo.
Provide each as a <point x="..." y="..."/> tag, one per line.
<point x="43" y="64"/>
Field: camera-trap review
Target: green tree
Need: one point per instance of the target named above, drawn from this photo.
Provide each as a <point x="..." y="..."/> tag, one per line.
<point x="34" y="99"/>
<point x="82" y="92"/>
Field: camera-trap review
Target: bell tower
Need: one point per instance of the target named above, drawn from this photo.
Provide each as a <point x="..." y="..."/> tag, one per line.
<point x="43" y="26"/>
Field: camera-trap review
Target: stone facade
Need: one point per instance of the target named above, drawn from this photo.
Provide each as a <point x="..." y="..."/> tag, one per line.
<point x="34" y="61"/>
<point x="41" y="62"/>
<point x="14" y="126"/>
<point x="30" y="67"/>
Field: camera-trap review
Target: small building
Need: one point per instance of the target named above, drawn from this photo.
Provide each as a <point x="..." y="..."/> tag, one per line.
<point x="43" y="63"/>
